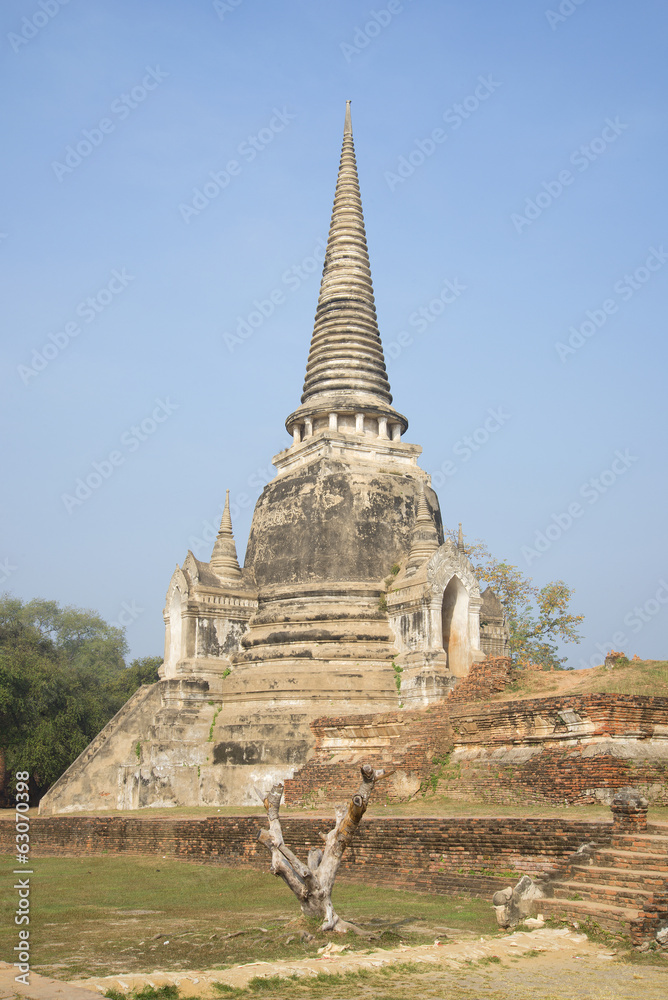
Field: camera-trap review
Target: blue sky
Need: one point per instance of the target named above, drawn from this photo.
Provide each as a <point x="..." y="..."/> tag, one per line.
<point x="169" y="170"/>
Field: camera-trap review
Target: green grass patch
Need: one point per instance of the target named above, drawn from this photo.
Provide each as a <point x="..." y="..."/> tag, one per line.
<point x="107" y="914"/>
<point x="146" y="993"/>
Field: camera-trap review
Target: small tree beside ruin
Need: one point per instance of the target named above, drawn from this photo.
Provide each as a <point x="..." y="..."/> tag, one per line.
<point x="538" y="617"/>
<point x="313" y="882"/>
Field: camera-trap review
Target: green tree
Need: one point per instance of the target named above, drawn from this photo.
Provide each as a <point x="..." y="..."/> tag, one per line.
<point x="538" y="617"/>
<point x="141" y="671"/>
<point x="62" y="677"/>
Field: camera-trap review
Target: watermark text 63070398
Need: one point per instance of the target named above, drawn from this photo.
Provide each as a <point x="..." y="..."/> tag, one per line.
<point x="22" y="884"/>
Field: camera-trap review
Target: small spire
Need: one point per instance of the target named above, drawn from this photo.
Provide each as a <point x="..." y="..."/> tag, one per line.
<point x="224" y="560"/>
<point x="460" y="539"/>
<point x="424" y="541"/>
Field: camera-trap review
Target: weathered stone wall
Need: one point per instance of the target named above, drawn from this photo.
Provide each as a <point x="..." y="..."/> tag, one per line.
<point x="406" y="741"/>
<point x="332" y="522"/>
<point x="474" y="856"/>
<point x="574" y="749"/>
<point x="553" y="775"/>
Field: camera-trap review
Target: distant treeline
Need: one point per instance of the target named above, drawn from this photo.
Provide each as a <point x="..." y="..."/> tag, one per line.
<point x="63" y="675"/>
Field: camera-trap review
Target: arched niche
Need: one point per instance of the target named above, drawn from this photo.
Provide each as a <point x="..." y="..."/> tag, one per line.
<point x="455" y="626"/>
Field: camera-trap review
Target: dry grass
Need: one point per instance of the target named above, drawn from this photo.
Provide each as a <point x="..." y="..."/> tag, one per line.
<point x="638" y="677"/>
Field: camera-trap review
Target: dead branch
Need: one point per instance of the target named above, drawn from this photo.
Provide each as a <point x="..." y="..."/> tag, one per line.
<point x="313" y="883"/>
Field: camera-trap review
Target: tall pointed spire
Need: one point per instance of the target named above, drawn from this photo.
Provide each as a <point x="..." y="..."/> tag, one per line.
<point x="224" y="560"/>
<point x="346" y="352"/>
<point x="424" y="541"/>
<point x="345" y="371"/>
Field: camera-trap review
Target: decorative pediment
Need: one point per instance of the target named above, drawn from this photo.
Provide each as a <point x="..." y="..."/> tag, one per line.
<point x="180" y="582"/>
<point x="449" y="561"/>
<point x="200" y="573"/>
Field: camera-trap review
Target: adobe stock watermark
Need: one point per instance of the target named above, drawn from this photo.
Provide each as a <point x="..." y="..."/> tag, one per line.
<point x="22" y="885"/>
<point x="625" y="288"/>
<point x="128" y="614"/>
<point x="454" y="116"/>
<point x="35" y="22"/>
<point x="581" y="158"/>
<point x="131" y="440"/>
<point x="224" y="7"/>
<point x="565" y="10"/>
<point x="591" y="492"/>
<point x="467" y="446"/>
<point x="377" y="22"/>
<point x="420" y="319"/>
<point x="635" y="621"/>
<point x="247" y="151"/>
<point x="202" y="543"/>
<point x="87" y="310"/>
<point x="6" y="570"/>
<point x="121" y="107"/>
<point x="292" y="279"/>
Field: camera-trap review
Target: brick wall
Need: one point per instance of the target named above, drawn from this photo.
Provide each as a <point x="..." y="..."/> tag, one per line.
<point x="610" y="714"/>
<point x="554" y="775"/>
<point x="476" y="856"/>
<point x="406" y="741"/>
<point x="576" y="749"/>
<point x="488" y="677"/>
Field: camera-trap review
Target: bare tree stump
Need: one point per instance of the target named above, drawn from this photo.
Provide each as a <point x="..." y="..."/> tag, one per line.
<point x="312" y="883"/>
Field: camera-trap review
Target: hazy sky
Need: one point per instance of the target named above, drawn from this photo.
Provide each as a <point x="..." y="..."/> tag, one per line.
<point x="168" y="173"/>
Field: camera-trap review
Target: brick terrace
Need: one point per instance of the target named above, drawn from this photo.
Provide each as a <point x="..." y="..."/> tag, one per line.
<point x="475" y="856"/>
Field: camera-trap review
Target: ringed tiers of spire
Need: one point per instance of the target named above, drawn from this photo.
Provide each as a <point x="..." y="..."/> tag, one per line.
<point x="424" y="541"/>
<point x="224" y="560"/>
<point x="345" y="371"/>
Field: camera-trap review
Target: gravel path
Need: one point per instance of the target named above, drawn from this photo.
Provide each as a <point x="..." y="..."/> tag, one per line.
<point x="560" y="964"/>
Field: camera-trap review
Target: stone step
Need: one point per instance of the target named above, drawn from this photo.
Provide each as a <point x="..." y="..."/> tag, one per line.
<point x="605" y="915"/>
<point x="293" y="753"/>
<point x="364" y="648"/>
<point x="612" y="858"/>
<point x="298" y="720"/>
<point x="249" y="731"/>
<point x="170" y="734"/>
<point x="307" y="674"/>
<point x="643" y="878"/>
<point x="600" y="892"/>
<point x="261" y="734"/>
<point x="325" y="702"/>
<point x="645" y="843"/>
<point x="366" y="610"/>
<point x="299" y="634"/>
<point x="336" y="661"/>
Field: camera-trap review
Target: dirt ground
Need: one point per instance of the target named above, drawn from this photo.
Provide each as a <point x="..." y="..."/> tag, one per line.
<point x="541" y="964"/>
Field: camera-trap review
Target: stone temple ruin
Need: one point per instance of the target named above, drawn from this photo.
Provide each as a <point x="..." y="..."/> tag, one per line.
<point x="351" y="597"/>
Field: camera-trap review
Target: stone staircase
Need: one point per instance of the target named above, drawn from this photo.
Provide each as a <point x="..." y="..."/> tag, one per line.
<point x="145" y="700"/>
<point x="616" y="886"/>
<point x="621" y="887"/>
